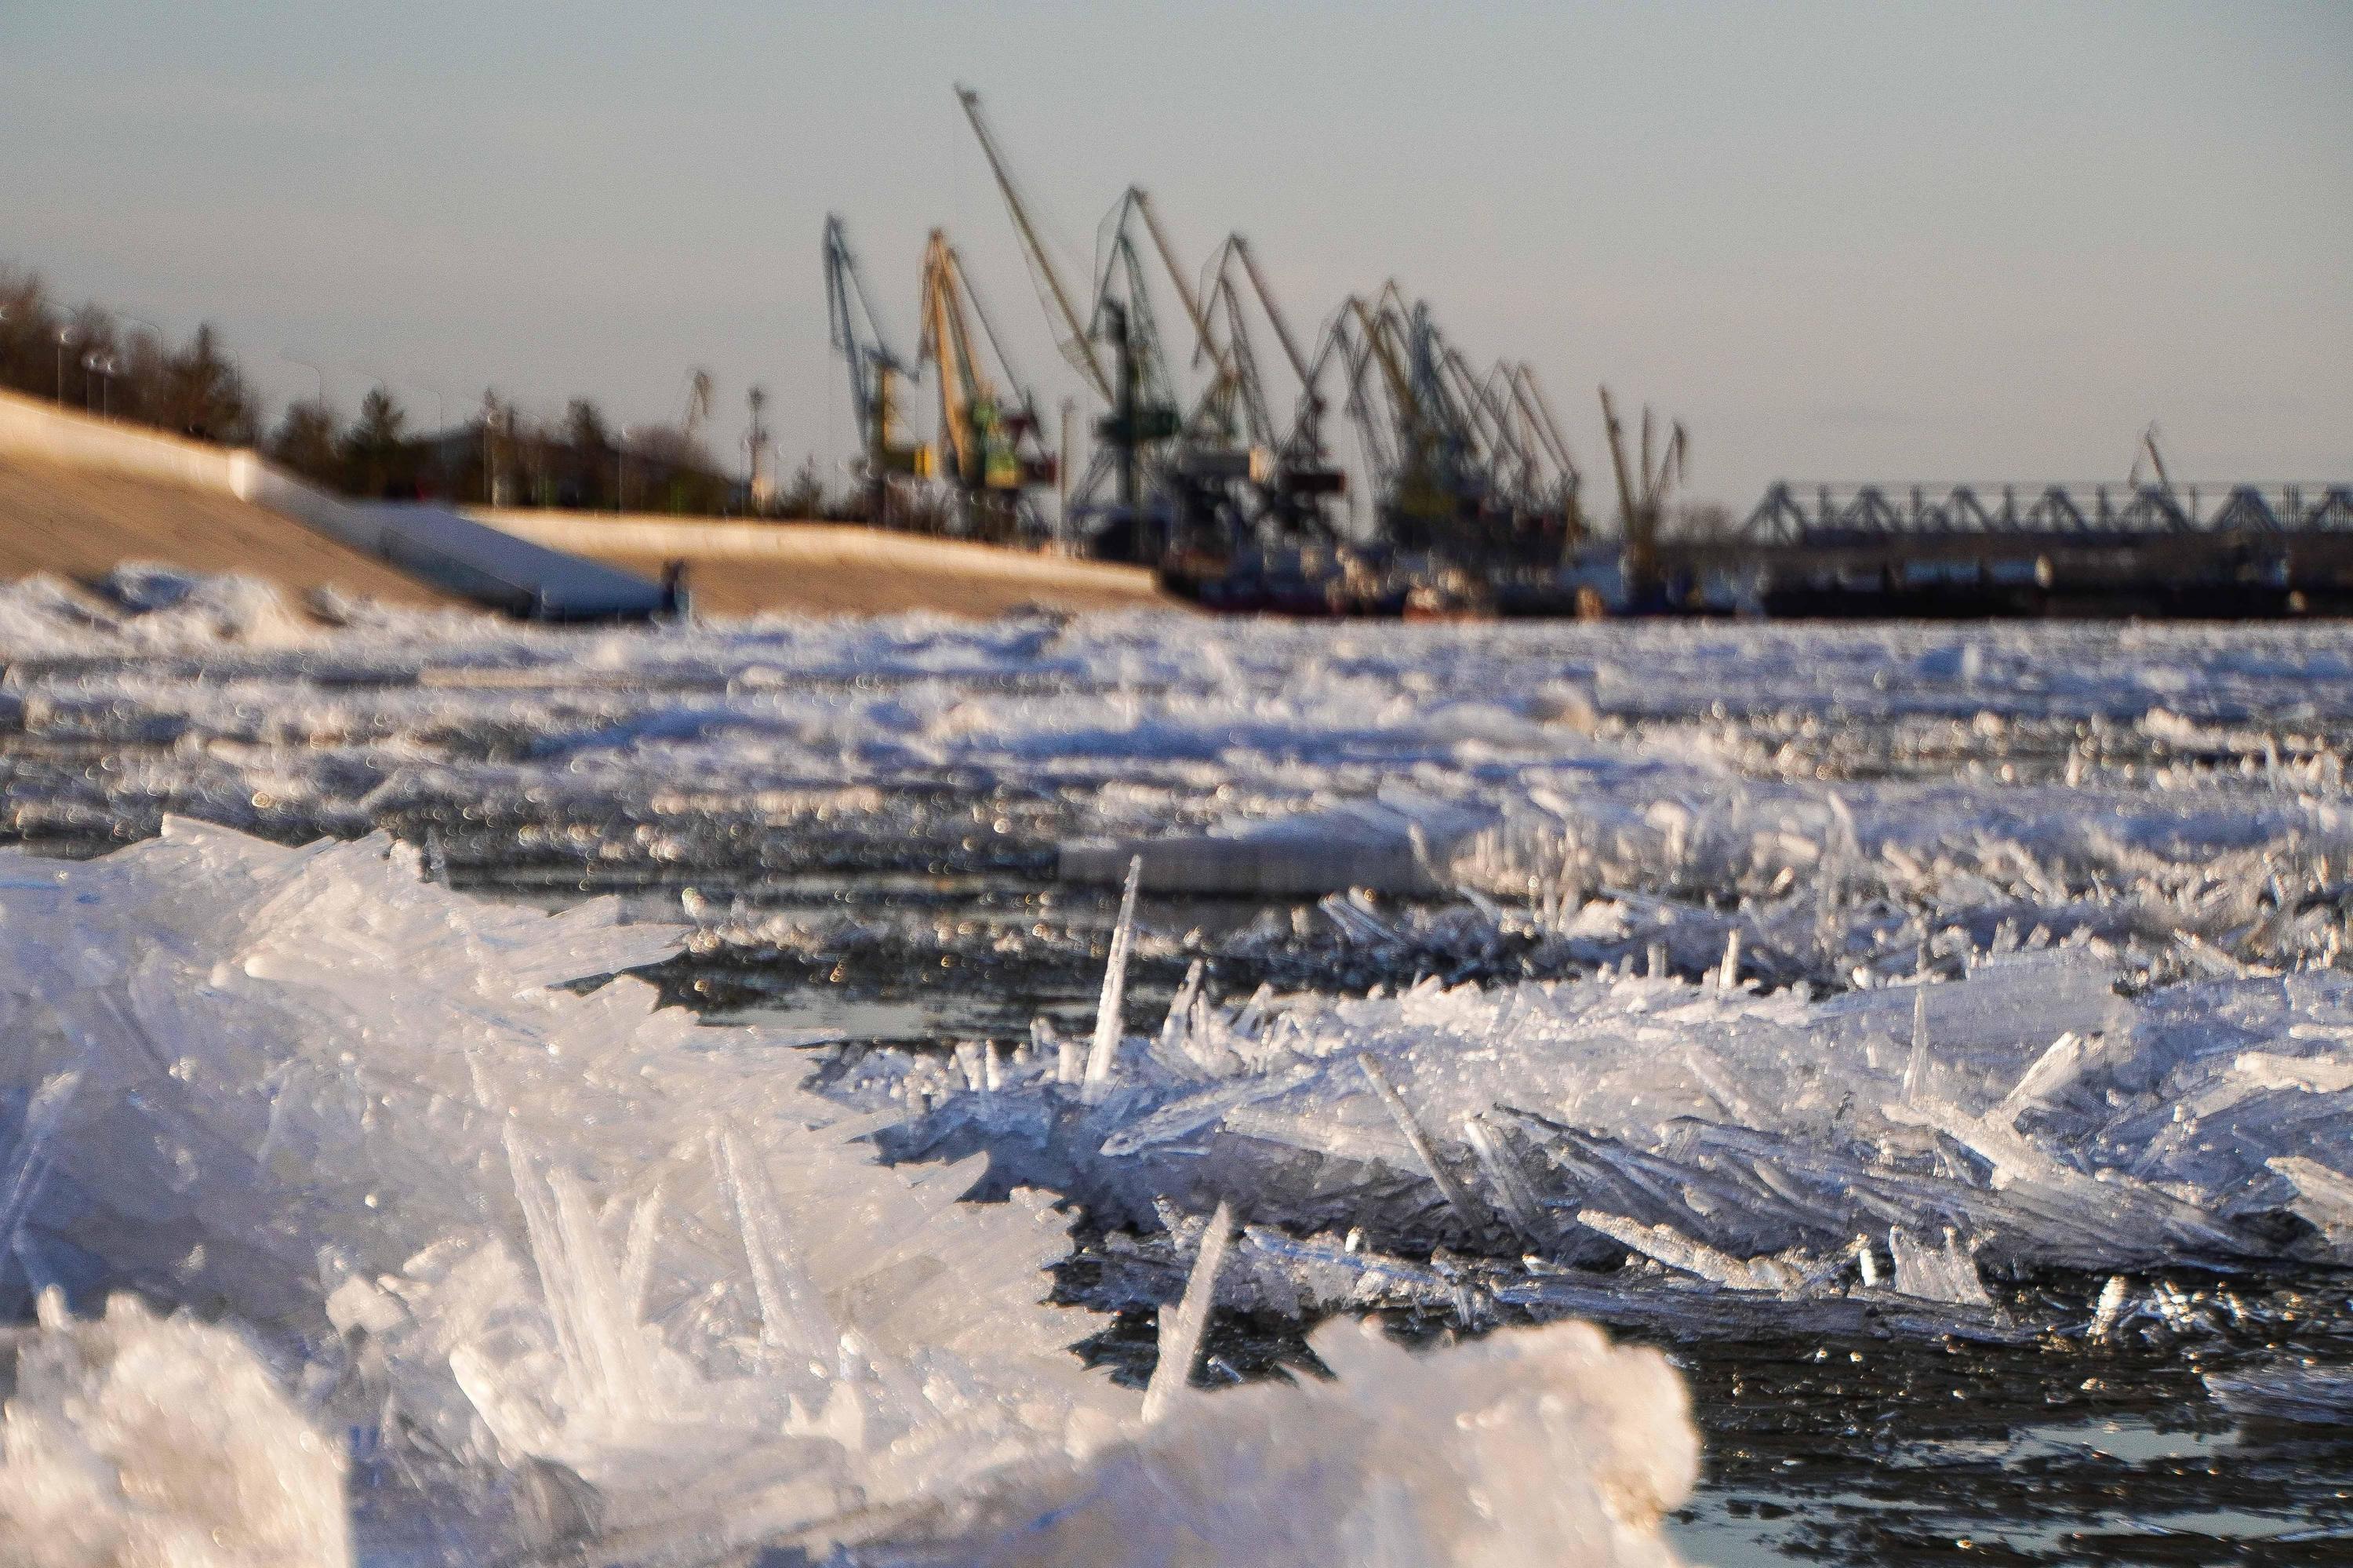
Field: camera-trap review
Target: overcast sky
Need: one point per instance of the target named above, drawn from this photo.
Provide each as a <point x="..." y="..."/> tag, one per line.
<point x="1982" y="240"/>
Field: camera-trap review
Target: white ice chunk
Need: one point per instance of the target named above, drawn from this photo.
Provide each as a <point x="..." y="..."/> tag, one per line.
<point x="138" y="1441"/>
<point x="1530" y="1445"/>
<point x="1937" y="1271"/>
<point x="1182" y="1330"/>
<point x="1111" y="1007"/>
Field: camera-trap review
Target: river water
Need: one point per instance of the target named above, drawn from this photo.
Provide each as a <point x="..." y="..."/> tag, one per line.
<point x="858" y="822"/>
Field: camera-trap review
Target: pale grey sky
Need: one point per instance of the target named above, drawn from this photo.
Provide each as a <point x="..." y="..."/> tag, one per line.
<point x="1875" y="240"/>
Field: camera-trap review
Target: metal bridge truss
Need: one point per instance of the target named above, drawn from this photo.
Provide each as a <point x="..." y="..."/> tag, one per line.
<point x="1848" y="515"/>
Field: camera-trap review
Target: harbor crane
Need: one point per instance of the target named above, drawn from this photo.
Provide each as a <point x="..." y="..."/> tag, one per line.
<point x="701" y="393"/>
<point x="875" y="370"/>
<point x="1469" y="467"/>
<point x="1640" y="507"/>
<point x="1298" y="472"/>
<point x="1131" y="377"/>
<point x="2147" y="451"/>
<point x="990" y="444"/>
<point x="1537" y="409"/>
<point x="1420" y="446"/>
<point x="1158" y="498"/>
<point x="1071" y="334"/>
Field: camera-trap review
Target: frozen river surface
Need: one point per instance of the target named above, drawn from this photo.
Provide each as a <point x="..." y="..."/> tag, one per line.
<point x="1938" y="1038"/>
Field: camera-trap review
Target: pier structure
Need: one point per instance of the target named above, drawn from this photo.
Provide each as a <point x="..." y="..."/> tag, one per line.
<point x="2235" y="549"/>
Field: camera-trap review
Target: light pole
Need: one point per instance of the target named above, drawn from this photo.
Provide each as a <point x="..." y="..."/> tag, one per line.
<point x="491" y="421"/>
<point x="65" y="335"/>
<point x="755" y="443"/>
<point x="1066" y="544"/>
<point x="620" y="466"/>
<point x="291" y="358"/>
<point x="152" y="330"/>
<point x="104" y="367"/>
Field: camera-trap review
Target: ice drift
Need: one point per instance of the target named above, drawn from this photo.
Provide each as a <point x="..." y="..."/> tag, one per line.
<point x="589" y="1282"/>
<point x="1898" y="1143"/>
<point x="2138" y="778"/>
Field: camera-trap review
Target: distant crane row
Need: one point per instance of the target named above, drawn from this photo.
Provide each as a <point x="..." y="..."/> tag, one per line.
<point x="1469" y="470"/>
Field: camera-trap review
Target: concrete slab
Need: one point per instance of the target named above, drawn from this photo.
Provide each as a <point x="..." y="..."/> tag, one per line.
<point x="495" y="568"/>
<point x="1394" y="845"/>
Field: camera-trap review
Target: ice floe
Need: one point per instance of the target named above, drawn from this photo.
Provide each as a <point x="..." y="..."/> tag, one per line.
<point x="587" y="1282"/>
<point x="1898" y="1143"/>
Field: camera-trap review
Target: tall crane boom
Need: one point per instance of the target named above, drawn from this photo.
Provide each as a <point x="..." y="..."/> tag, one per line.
<point x="1538" y="407"/>
<point x="946" y="344"/>
<point x="856" y="330"/>
<point x="1301" y="471"/>
<point x="1273" y="311"/>
<point x="990" y="439"/>
<point x="1641" y="507"/>
<point x="1185" y="293"/>
<point x="1075" y="341"/>
<point x="875" y="368"/>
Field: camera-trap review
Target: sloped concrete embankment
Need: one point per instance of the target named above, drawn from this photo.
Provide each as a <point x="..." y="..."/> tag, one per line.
<point x="89" y="494"/>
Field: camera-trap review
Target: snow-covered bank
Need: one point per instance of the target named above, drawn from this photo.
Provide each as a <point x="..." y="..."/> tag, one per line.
<point x="589" y="1282"/>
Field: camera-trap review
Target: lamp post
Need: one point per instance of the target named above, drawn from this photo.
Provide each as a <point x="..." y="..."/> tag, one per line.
<point x="620" y="466"/>
<point x="152" y="330"/>
<point x="491" y="422"/>
<point x="65" y="335"/>
<point x="292" y="358"/>
<point x="1064" y="545"/>
<point x="102" y="367"/>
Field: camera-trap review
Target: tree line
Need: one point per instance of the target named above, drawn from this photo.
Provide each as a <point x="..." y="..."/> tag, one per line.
<point x="88" y="358"/>
<point x="91" y="358"/>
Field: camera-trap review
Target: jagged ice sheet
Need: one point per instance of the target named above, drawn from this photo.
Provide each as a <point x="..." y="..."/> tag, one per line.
<point x="1886" y="1145"/>
<point x="584" y="1281"/>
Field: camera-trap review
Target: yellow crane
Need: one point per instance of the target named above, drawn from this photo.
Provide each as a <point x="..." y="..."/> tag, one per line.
<point x="988" y="443"/>
<point x="1639" y="509"/>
